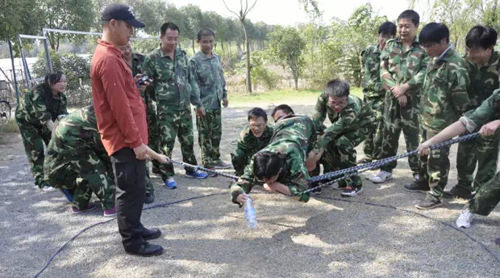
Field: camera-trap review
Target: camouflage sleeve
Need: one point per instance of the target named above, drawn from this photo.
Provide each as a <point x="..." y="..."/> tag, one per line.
<point x="224" y="89"/>
<point x="298" y="178"/>
<point x="319" y="114"/>
<point x="385" y="75"/>
<point x="243" y="185"/>
<point x="344" y="122"/>
<point x="417" y="80"/>
<point x="64" y="105"/>
<point x="149" y="70"/>
<point x="483" y="114"/>
<point x="39" y="111"/>
<point x="195" y="90"/>
<point x="242" y="147"/>
<point x="458" y="92"/>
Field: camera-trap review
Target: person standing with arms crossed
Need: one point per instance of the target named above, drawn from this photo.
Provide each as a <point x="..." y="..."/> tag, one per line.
<point x="121" y="121"/>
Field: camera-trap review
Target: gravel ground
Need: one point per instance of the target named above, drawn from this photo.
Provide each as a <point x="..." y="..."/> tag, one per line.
<point x="207" y="237"/>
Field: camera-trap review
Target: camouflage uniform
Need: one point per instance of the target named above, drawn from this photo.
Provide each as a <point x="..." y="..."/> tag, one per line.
<point x="484" y="151"/>
<point x="348" y="129"/>
<point x="77" y="161"/>
<point x="247" y="146"/>
<point x="444" y="99"/>
<point x="137" y="61"/>
<point x="33" y="112"/>
<point x="373" y="95"/>
<point x="174" y="89"/>
<point x="293" y="138"/>
<point x="210" y="78"/>
<point x="488" y="195"/>
<point x="397" y="68"/>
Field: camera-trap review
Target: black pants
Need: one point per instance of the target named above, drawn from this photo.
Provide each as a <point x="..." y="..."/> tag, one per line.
<point x="130" y="189"/>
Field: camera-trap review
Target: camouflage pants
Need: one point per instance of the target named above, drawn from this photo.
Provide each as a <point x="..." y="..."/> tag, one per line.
<point x="373" y="142"/>
<point x="397" y="118"/>
<point x="172" y="124"/>
<point x="209" y="136"/>
<point x="435" y="167"/>
<point x="82" y="177"/>
<point x="149" y="185"/>
<point x="34" y="139"/>
<point x="483" y="152"/>
<point x="487" y="197"/>
<point x="341" y="154"/>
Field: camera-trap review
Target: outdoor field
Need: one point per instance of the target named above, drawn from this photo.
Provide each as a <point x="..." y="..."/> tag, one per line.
<point x="376" y="234"/>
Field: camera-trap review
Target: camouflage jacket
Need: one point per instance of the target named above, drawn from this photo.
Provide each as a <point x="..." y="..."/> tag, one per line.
<point x="74" y="138"/>
<point x="248" y="144"/>
<point x="137" y="61"/>
<point x="372" y="86"/>
<point x="38" y="106"/>
<point x="210" y="78"/>
<point x="483" y="80"/>
<point x="398" y="67"/>
<point x="356" y="116"/>
<point x="488" y="111"/>
<point x="292" y="138"/>
<point x="173" y="81"/>
<point x="444" y="93"/>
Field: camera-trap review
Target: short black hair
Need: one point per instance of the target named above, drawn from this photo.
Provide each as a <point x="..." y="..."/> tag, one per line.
<point x="411" y="15"/>
<point x="283" y="107"/>
<point x="257" y="112"/>
<point x="205" y="32"/>
<point x="433" y="33"/>
<point x="481" y="36"/>
<point x="168" y="25"/>
<point x="52" y="78"/>
<point x="337" y="88"/>
<point x="387" y="28"/>
<point x="267" y="164"/>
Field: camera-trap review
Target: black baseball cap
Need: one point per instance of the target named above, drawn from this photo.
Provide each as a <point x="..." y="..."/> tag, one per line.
<point x="121" y="12"/>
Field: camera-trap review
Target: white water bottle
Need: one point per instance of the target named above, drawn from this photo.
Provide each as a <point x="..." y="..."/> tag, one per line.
<point x="250" y="213"/>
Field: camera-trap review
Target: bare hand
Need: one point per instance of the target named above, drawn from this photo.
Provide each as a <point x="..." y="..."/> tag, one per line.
<point x="403" y="100"/>
<point x="137" y="77"/>
<point x="267" y="188"/>
<point x="424" y="148"/>
<point x="489" y="128"/>
<point x="398" y="91"/>
<point x="225" y="102"/>
<point x="141" y="152"/>
<point x="242" y="198"/>
<point x="200" y="112"/>
<point x="312" y="160"/>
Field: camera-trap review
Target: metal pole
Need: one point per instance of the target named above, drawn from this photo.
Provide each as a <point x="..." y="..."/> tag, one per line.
<point x="26" y="77"/>
<point x="47" y="55"/>
<point x="14" y="71"/>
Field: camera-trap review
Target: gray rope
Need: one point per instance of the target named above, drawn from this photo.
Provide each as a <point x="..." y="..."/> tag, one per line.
<point x="196" y="167"/>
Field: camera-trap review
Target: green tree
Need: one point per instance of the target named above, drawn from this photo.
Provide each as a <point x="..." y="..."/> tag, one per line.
<point x="286" y="46"/>
<point x="16" y="17"/>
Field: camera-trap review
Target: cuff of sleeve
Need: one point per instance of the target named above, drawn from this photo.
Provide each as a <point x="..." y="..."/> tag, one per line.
<point x="470" y="125"/>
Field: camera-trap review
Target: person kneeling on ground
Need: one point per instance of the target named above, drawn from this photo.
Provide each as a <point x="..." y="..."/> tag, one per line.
<point x="351" y="121"/>
<point x="488" y="116"/>
<point x="253" y="138"/>
<point x="280" y="165"/>
<point x="77" y="162"/>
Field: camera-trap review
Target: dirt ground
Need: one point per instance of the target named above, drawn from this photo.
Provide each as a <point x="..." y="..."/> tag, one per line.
<point x="376" y="234"/>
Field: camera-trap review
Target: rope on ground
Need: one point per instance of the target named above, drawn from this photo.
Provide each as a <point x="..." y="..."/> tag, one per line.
<point x="196" y="167"/>
<point x="58" y="251"/>
<point x="387" y="160"/>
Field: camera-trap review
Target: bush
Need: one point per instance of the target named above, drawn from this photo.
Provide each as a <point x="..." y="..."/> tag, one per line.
<point x="259" y="73"/>
<point x="77" y="71"/>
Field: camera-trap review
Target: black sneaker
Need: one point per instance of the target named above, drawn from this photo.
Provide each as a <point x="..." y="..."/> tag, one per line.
<point x="429" y="203"/>
<point x="351" y="191"/>
<point x="417" y="186"/>
<point x="149" y="198"/>
<point x="147" y="250"/>
<point x="149" y="234"/>
<point x="458" y="192"/>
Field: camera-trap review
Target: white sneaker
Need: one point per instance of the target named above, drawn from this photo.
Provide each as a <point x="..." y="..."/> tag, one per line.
<point x="464" y="219"/>
<point x="381" y="176"/>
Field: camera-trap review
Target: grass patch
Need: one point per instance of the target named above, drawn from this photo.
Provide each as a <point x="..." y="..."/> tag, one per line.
<point x="10" y="127"/>
<point x="276" y="97"/>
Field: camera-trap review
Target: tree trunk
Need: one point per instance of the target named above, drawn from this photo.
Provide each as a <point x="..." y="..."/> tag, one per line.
<point x="247" y="44"/>
<point x="192" y="45"/>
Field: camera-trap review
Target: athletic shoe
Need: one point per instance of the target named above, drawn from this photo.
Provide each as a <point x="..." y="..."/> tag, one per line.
<point x="89" y="207"/>
<point x="351" y="192"/>
<point x="429" y="203"/>
<point x="149" y="198"/>
<point x="364" y="160"/>
<point x="458" y="192"/>
<point x="197" y="175"/>
<point x="381" y="177"/>
<point x="420" y="186"/>
<point x="171" y="183"/>
<point x="109" y="212"/>
<point x="464" y="219"/>
<point x="67" y="194"/>
<point x="211" y="174"/>
<point x="221" y="165"/>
